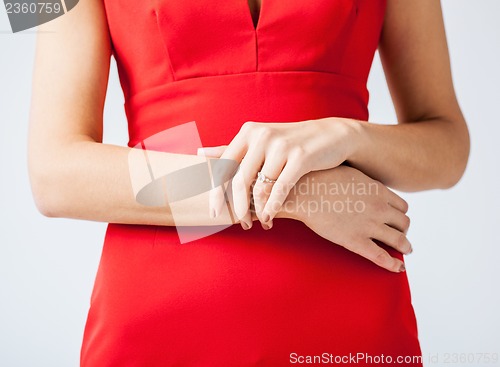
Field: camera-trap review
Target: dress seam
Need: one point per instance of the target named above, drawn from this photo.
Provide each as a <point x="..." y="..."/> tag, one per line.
<point x="256" y="72"/>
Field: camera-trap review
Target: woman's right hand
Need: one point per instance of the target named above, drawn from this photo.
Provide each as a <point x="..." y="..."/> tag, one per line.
<point x="352" y="210"/>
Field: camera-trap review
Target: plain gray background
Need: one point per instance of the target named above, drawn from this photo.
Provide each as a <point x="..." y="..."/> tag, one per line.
<point x="47" y="266"/>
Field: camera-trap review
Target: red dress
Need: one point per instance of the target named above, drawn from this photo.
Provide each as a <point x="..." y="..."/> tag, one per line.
<point x="235" y="298"/>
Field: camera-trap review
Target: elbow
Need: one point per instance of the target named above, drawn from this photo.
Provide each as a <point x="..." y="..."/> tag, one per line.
<point x="45" y="209"/>
<point x="46" y="194"/>
<point x="453" y="179"/>
<point x="457" y="163"/>
<point x="43" y="202"/>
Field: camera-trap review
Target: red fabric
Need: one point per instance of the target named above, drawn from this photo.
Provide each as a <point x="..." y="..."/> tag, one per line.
<point x="241" y="298"/>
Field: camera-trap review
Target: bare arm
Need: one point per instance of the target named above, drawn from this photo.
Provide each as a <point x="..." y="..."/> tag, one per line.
<point x="429" y="147"/>
<point x="72" y="173"/>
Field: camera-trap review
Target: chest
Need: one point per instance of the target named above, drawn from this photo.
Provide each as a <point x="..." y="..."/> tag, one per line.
<point x="254" y="7"/>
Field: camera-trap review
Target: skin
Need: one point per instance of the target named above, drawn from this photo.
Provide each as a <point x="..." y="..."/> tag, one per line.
<point x="254" y="7"/>
<point x="428" y="149"/>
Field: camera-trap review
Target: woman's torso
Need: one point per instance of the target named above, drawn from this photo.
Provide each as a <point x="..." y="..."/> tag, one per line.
<point x="239" y="298"/>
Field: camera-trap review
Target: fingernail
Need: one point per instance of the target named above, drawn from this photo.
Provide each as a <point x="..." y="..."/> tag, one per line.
<point x="245" y="226"/>
<point x="410" y="251"/>
<point x="266" y="218"/>
<point x="212" y="213"/>
<point x="267" y="226"/>
<point x="402" y="268"/>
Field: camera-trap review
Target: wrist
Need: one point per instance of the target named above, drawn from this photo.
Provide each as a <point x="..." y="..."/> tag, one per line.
<point x="354" y="136"/>
<point x="343" y="138"/>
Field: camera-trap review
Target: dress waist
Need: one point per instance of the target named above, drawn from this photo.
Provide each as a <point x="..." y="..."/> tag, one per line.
<point x="221" y="104"/>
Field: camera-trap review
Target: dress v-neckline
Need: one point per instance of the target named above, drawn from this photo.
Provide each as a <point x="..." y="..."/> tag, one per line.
<point x="255" y="21"/>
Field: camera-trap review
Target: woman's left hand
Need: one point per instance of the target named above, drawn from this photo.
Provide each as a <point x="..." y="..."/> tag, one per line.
<point x="283" y="153"/>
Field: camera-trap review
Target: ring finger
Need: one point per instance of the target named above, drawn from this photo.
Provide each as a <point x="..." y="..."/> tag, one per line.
<point x="271" y="170"/>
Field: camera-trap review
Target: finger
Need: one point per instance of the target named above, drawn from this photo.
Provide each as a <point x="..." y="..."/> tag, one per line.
<point x="246" y="222"/>
<point x="371" y="251"/>
<point x="238" y="147"/>
<point x="397" y="202"/>
<point x="281" y="188"/>
<point x="272" y="169"/>
<point x="242" y="182"/>
<point x="394" y="238"/>
<point x="230" y="207"/>
<point x="261" y="192"/>
<point x="234" y="151"/>
<point x="212" y="152"/>
<point x="398" y="220"/>
<point x="216" y="201"/>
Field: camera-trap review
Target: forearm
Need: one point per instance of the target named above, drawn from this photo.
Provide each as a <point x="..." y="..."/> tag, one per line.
<point x="411" y="156"/>
<point x="429" y="147"/>
<point x="94" y="181"/>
